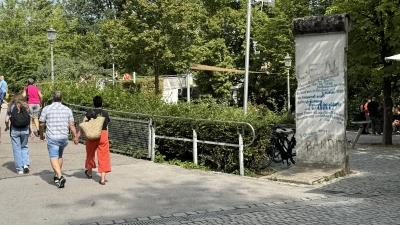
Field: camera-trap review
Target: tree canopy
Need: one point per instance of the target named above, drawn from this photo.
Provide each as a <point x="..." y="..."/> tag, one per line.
<point x="165" y="37"/>
<point x="375" y="28"/>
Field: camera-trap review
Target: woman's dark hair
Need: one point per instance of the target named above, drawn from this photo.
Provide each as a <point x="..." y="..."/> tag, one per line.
<point x="97" y="101"/>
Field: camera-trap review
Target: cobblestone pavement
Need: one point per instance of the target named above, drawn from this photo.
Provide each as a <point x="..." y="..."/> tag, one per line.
<point x="370" y="195"/>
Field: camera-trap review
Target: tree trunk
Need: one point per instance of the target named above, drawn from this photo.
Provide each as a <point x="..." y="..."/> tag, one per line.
<point x="387" y="112"/>
<point x="157" y="80"/>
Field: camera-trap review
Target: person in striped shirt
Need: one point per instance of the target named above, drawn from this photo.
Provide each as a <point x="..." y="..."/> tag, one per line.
<point x="58" y="120"/>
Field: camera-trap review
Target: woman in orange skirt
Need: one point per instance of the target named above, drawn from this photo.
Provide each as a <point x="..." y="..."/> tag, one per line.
<point x="100" y="145"/>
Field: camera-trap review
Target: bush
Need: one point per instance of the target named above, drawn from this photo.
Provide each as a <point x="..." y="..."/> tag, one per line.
<point x="220" y="158"/>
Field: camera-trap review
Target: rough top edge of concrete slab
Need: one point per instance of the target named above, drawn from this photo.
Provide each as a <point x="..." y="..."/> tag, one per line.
<point x="307" y="174"/>
<point x="321" y="24"/>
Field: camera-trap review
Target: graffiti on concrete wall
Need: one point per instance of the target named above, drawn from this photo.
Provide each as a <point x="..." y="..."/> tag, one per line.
<point x="321" y="106"/>
<point x="321" y="98"/>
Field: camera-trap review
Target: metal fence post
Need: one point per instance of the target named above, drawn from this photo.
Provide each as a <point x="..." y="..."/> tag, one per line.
<point x="241" y="164"/>
<point x="188" y="88"/>
<point x="149" y="140"/>
<point x="194" y="147"/>
<point x="153" y="143"/>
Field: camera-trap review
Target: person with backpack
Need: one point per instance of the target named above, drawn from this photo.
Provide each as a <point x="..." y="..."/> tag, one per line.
<point x="20" y="131"/>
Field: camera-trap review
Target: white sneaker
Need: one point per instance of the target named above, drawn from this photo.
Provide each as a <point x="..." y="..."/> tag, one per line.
<point x="26" y="169"/>
<point x="20" y="172"/>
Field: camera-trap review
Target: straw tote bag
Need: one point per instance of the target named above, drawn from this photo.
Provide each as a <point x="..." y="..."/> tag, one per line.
<point x="93" y="127"/>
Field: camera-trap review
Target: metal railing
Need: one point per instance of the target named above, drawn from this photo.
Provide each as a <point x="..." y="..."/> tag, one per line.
<point x="142" y="132"/>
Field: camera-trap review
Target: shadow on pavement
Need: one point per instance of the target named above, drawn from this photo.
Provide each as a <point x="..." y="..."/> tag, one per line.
<point x="9" y="165"/>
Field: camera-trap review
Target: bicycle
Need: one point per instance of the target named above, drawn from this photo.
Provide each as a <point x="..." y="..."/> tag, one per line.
<point x="281" y="148"/>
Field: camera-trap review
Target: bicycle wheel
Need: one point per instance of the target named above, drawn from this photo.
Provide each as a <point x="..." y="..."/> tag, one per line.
<point x="292" y="152"/>
<point x="277" y="156"/>
<point x="283" y="146"/>
<point x="269" y="157"/>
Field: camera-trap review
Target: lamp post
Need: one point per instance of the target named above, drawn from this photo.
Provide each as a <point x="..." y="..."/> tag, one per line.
<point x="51" y="36"/>
<point x="246" y="69"/>
<point x="288" y="64"/>
<point x="113" y="70"/>
<point x="246" y="66"/>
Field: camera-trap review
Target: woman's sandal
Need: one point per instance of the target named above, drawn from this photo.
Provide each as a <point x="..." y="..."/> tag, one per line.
<point x="102" y="183"/>
<point x="88" y="176"/>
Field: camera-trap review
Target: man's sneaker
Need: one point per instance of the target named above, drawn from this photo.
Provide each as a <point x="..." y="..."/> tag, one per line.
<point x="36" y="133"/>
<point x="60" y="182"/>
<point x="26" y="169"/>
<point x="20" y="172"/>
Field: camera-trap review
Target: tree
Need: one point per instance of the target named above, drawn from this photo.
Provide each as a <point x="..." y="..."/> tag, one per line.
<point x="223" y="33"/>
<point x="70" y="69"/>
<point x="319" y="7"/>
<point x="25" y="48"/>
<point x="375" y="26"/>
<point x="163" y="35"/>
<point x="90" y="14"/>
<point x="271" y="27"/>
<point x="22" y="39"/>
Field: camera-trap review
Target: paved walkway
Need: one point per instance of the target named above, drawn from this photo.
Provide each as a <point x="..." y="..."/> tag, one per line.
<point x="142" y="192"/>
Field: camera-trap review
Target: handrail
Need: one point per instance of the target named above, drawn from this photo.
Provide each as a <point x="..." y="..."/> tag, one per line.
<point x="150" y="116"/>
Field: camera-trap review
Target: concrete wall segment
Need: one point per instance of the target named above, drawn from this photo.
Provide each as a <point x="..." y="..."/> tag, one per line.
<point x="321" y="95"/>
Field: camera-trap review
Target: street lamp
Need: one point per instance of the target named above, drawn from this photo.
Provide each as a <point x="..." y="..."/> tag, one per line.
<point x="246" y="66"/>
<point x="113" y="70"/>
<point x="51" y="36"/>
<point x="288" y="64"/>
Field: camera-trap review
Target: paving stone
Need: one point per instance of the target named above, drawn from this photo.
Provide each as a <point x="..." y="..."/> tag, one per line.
<point x="228" y="208"/>
<point x="143" y="218"/>
<point x="214" y="210"/>
<point x="155" y="217"/>
<point x="106" y="222"/>
<point x="172" y="223"/>
<point x="166" y="215"/>
<point x="179" y="214"/>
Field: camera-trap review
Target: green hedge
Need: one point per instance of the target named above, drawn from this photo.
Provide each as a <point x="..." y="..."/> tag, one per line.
<point x="125" y="97"/>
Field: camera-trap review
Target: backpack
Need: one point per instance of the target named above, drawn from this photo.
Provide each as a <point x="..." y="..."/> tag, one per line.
<point x="21" y="119"/>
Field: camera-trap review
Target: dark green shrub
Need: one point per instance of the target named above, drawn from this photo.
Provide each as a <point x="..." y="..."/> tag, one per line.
<point x="220" y="158"/>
